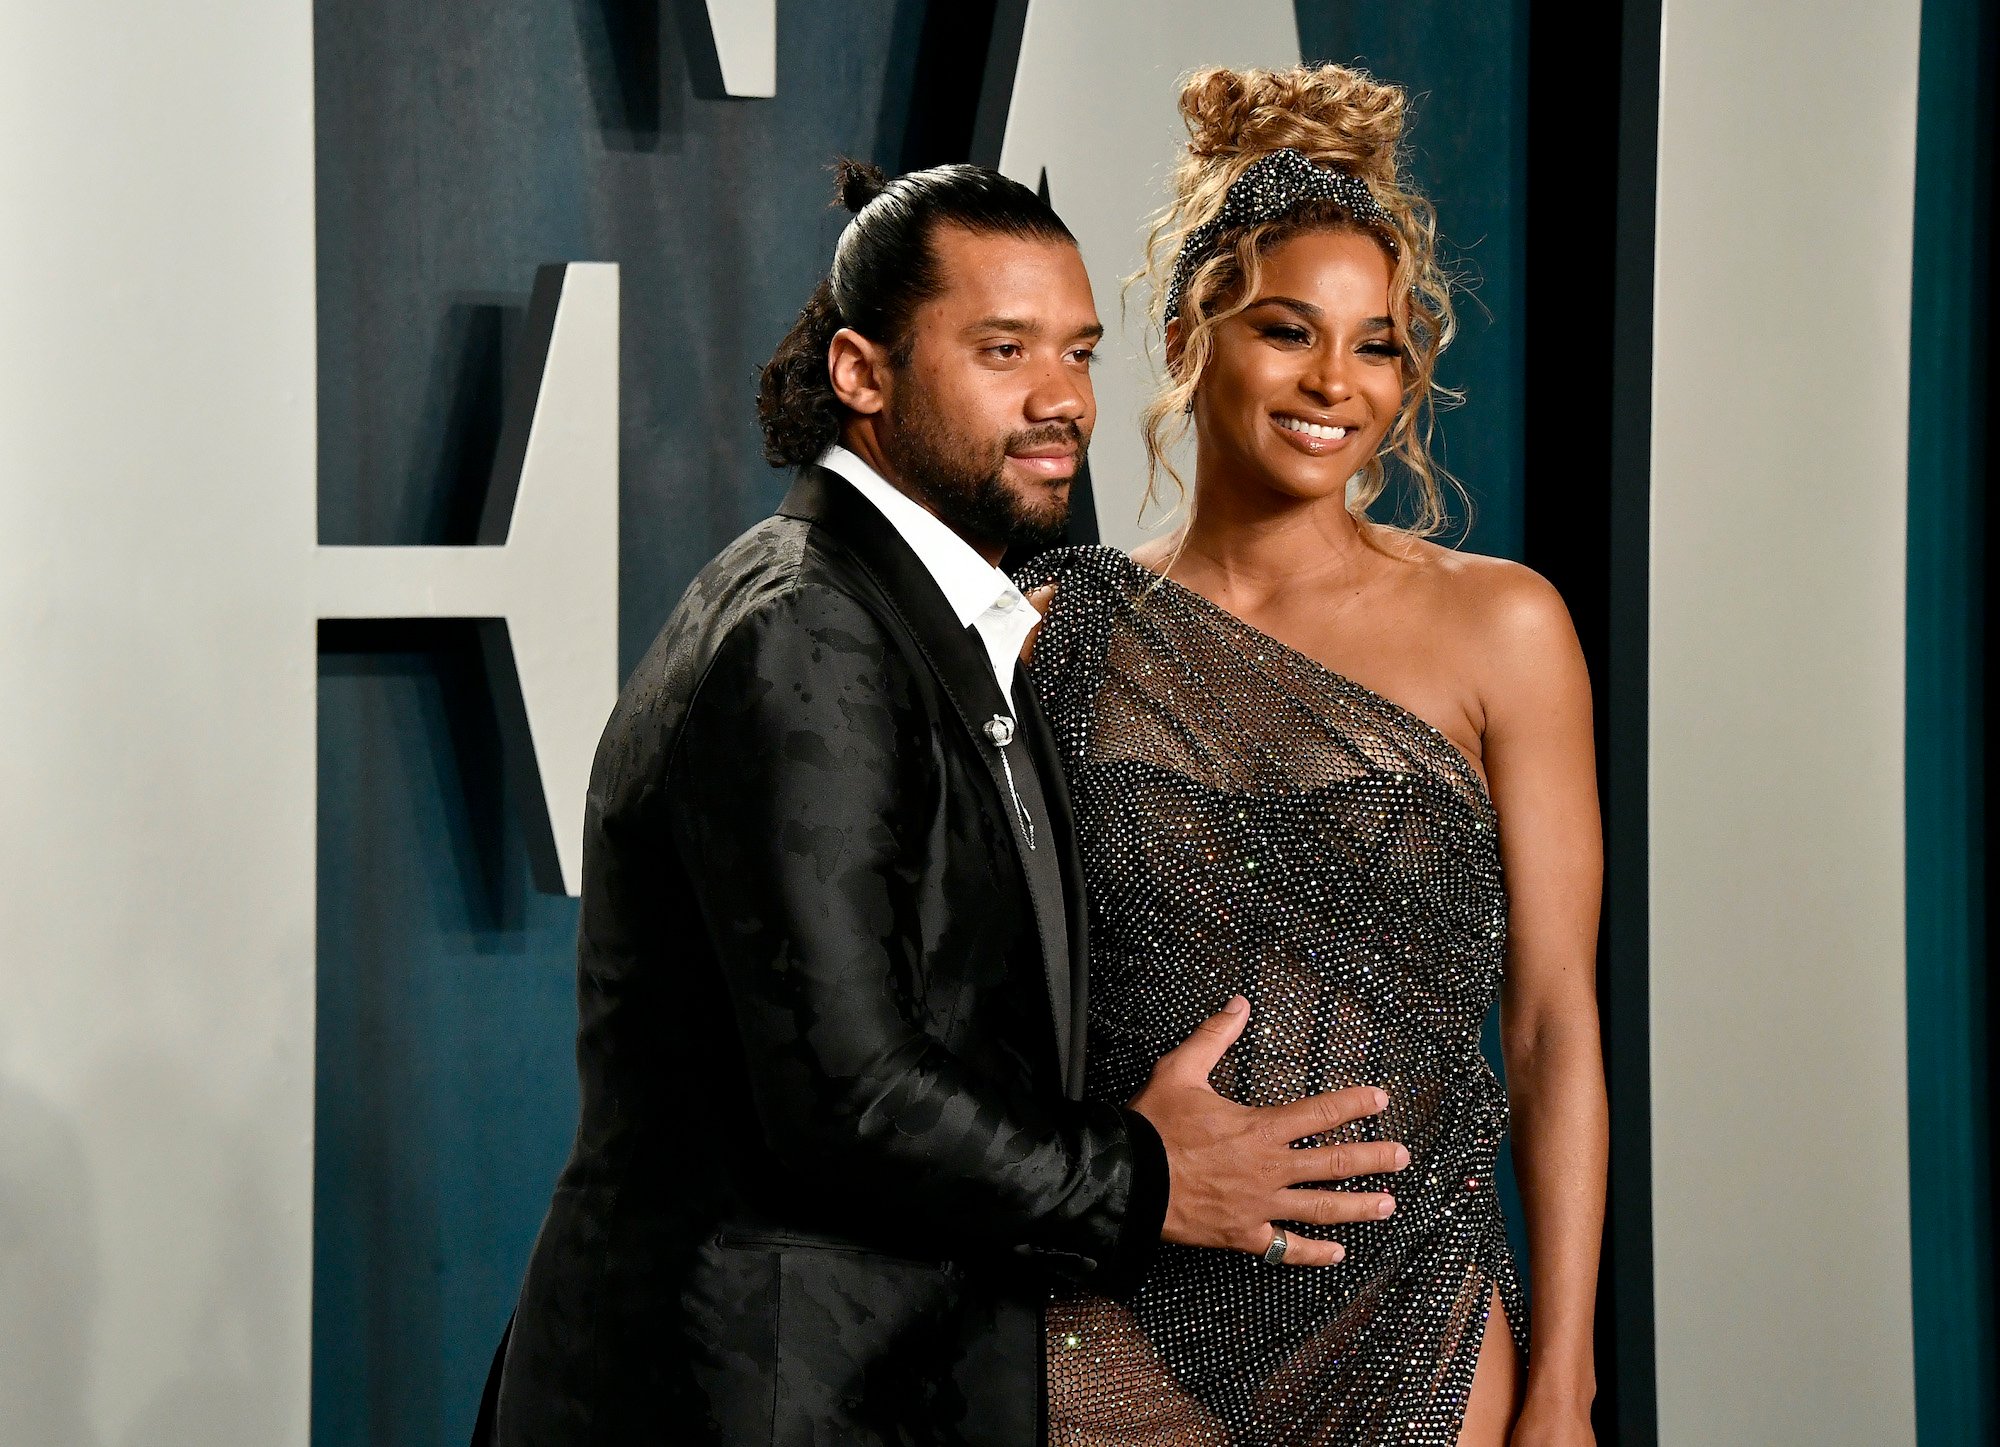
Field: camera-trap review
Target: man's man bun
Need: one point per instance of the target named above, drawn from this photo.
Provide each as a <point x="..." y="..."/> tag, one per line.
<point x="856" y="183"/>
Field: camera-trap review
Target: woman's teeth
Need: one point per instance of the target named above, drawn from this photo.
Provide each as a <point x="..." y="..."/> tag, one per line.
<point x="1312" y="429"/>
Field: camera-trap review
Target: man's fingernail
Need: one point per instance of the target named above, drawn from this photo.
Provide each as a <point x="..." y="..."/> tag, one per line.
<point x="1236" y="1006"/>
<point x="1387" y="1207"/>
<point x="1339" y="1252"/>
<point x="1402" y="1157"/>
<point x="1381" y="1100"/>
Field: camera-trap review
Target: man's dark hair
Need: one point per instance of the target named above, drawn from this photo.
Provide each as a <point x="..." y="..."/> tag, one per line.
<point x="884" y="268"/>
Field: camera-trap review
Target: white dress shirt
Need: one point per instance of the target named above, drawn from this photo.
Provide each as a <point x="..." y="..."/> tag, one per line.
<point x="980" y="594"/>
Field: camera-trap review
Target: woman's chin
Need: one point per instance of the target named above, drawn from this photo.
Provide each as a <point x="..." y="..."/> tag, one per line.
<point x="1306" y="479"/>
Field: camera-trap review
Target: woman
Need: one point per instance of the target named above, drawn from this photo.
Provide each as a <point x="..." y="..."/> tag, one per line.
<point x="1306" y="749"/>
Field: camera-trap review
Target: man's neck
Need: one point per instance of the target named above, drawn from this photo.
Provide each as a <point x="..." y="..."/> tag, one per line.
<point x="862" y="439"/>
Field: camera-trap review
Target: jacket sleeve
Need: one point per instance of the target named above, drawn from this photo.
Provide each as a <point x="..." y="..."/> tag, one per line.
<point x="791" y="809"/>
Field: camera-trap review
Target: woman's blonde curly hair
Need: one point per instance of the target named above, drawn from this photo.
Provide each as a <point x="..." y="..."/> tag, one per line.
<point x="1339" y="117"/>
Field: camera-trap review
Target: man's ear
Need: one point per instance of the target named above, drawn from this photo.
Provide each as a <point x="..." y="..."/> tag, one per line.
<point x="859" y="371"/>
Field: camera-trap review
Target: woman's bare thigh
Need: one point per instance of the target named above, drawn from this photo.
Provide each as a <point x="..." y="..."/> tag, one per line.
<point x="1496" y="1385"/>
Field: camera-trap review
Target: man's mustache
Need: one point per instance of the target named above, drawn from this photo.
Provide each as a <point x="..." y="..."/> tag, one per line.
<point x="1054" y="434"/>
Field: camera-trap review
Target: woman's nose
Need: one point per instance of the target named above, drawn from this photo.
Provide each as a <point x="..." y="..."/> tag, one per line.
<point x="1326" y="374"/>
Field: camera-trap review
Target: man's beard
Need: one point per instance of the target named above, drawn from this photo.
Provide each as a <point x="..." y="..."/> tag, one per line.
<point x="962" y="480"/>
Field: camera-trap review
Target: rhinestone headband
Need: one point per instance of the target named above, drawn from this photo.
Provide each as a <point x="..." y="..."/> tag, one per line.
<point x="1266" y="191"/>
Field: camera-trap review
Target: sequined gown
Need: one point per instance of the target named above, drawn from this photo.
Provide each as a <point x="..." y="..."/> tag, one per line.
<point x="1254" y="823"/>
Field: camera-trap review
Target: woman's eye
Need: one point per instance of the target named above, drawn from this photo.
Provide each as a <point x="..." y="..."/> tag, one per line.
<point x="1283" y="333"/>
<point x="1381" y="349"/>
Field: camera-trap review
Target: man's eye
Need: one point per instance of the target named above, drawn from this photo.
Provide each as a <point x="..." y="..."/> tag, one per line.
<point x="1086" y="355"/>
<point x="1005" y="351"/>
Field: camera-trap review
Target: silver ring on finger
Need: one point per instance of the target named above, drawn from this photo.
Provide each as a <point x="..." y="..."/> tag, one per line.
<point x="1274" y="1254"/>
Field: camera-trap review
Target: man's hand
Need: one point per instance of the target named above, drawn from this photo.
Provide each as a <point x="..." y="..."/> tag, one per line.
<point x="1232" y="1171"/>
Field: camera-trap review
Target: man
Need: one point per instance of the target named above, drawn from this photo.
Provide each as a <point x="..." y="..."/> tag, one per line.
<point x="832" y="963"/>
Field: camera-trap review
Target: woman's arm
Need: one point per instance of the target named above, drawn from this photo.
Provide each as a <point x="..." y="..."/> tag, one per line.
<point x="1540" y="766"/>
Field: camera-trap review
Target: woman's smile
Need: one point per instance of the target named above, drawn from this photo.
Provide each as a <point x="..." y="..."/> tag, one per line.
<point x="1315" y="439"/>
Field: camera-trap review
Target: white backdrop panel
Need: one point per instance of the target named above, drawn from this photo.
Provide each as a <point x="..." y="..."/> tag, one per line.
<point x="1781" y="1220"/>
<point x="156" y="752"/>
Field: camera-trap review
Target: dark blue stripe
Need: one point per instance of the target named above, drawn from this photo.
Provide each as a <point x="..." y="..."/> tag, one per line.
<point x="1947" y="801"/>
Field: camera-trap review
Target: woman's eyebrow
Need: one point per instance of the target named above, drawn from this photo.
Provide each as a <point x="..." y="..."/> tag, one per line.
<point x="1290" y="303"/>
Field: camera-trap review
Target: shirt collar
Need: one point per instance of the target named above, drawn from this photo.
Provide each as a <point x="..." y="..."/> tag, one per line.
<point x="970" y="584"/>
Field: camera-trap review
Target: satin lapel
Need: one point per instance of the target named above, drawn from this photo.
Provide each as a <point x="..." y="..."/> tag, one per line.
<point x="1041" y="742"/>
<point x="962" y="670"/>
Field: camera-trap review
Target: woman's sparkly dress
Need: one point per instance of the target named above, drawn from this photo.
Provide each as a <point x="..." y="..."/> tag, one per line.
<point x="1253" y="823"/>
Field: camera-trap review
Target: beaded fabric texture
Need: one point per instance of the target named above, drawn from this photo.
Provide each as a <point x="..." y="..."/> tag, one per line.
<point x="1253" y="823"/>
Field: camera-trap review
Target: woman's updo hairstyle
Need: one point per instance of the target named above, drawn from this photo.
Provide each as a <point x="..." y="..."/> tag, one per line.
<point x="884" y="268"/>
<point x="1341" y="118"/>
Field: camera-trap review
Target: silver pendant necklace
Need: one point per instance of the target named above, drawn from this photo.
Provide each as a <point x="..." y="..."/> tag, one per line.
<point x="999" y="730"/>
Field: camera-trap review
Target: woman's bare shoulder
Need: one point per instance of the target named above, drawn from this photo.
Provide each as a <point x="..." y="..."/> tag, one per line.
<point x="1509" y="616"/>
<point x="1493" y="592"/>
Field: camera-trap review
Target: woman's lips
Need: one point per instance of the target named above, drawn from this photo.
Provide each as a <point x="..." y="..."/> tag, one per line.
<point x="1050" y="465"/>
<point x="1307" y="443"/>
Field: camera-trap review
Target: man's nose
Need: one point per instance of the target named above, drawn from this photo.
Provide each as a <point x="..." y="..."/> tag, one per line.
<point x="1062" y="394"/>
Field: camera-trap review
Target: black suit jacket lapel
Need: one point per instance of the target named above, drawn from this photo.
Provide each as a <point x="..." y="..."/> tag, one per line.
<point x="965" y="675"/>
<point x="1041" y="741"/>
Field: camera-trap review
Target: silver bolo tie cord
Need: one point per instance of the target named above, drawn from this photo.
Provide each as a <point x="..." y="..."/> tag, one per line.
<point x="1000" y="730"/>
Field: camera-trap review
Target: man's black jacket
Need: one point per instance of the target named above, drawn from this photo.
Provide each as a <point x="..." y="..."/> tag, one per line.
<point x="831" y="1154"/>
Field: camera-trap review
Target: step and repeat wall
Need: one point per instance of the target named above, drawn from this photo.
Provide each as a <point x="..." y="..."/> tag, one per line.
<point x="326" y="534"/>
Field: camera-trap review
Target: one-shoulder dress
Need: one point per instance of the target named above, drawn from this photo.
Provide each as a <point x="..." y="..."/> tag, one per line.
<point x="1254" y="823"/>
